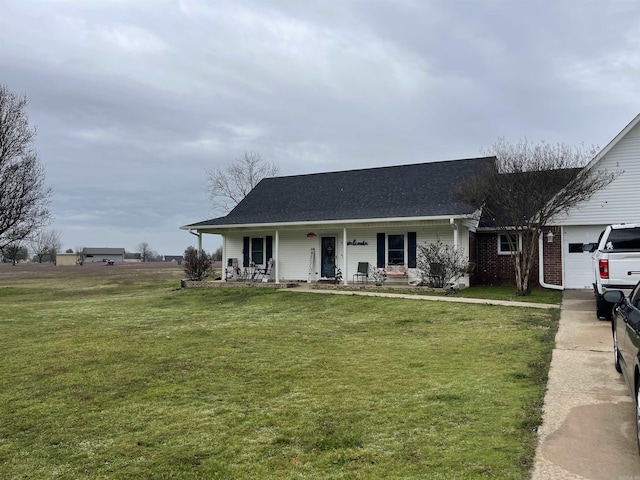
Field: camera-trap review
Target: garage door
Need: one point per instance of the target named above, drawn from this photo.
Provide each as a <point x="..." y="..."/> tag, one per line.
<point x="578" y="271"/>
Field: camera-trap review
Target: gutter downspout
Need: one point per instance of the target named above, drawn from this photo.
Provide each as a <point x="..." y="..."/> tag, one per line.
<point x="541" y="267"/>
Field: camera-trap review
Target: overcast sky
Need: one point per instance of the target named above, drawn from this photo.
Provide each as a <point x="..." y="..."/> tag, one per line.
<point x="135" y="100"/>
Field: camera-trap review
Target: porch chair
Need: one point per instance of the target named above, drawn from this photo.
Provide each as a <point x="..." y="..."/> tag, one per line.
<point x="362" y="273"/>
<point x="263" y="273"/>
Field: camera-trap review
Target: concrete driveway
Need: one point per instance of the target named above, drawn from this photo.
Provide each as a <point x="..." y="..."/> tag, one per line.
<point x="588" y="429"/>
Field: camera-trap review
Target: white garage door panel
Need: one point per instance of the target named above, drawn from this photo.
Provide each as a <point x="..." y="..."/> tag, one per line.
<point x="577" y="267"/>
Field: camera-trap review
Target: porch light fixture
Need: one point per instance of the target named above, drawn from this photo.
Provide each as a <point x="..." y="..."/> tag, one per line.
<point x="550" y="237"/>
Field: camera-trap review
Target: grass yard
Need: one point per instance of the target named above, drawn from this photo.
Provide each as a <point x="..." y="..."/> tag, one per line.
<point x="114" y="372"/>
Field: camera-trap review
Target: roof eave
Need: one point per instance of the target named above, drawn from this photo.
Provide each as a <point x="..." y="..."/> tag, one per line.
<point x="471" y="215"/>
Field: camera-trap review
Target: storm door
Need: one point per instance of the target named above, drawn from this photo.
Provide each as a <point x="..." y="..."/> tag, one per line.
<point x="328" y="248"/>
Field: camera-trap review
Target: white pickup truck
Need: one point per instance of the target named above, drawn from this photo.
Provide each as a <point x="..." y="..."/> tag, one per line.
<point x="616" y="263"/>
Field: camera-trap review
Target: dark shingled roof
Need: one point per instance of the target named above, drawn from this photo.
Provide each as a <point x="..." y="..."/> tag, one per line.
<point x="419" y="190"/>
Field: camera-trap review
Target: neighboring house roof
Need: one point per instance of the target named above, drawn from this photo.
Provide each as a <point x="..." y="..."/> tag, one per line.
<point x="102" y="251"/>
<point x="405" y="191"/>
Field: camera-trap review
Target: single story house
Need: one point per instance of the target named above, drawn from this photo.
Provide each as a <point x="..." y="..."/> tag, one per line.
<point x="102" y="254"/>
<point x="312" y="225"/>
<point x="174" y="258"/>
<point x="321" y="226"/>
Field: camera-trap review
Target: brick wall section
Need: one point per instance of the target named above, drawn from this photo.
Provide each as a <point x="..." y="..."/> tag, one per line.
<point x="494" y="269"/>
<point x="553" y="256"/>
<point x="473" y="258"/>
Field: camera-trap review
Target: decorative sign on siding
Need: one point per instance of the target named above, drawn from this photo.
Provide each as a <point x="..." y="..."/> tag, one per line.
<point x="357" y="243"/>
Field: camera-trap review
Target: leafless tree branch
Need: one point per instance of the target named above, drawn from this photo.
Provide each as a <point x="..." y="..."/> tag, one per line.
<point x="529" y="185"/>
<point x="229" y="185"/>
<point x="24" y="198"/>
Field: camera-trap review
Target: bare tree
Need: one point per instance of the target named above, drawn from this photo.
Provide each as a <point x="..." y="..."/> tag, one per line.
<point x="45" y="243"/>
<point x="15" y="252"/>
<point x="147" y="254"/>
<point x="24" y="198"/>
<point x="228" y="186"/>
<point x="528" y="185"/>
<point x="80" y="255"/>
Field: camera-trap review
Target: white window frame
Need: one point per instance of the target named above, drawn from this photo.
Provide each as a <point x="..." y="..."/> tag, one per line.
<point x="252" y="251"/>
<point x="404" y="247"/>
<point x="509" y="252"/>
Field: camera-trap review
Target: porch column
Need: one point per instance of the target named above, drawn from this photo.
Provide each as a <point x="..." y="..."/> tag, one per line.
<point x="455" y="233"/>
<point x="200" y="242"/>
<point x="276" y="254"/>
<point x="345" y="275"/>
<point x="224" y="258"/>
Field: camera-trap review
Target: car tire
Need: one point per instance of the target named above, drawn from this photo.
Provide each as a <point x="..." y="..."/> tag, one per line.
<point x="603" y="308"/>
<point x="616" y="352"/>
<point x="638" y="417"/>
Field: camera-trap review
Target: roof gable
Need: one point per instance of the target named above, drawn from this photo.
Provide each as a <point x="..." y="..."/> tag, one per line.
<point x="623" y="133"/>
<point x="417" y="190"/>
<point x="617" y="202"/>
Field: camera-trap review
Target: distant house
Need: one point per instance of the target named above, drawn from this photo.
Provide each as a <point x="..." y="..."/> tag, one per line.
<point x="66" y="259"/>
<point x="174" y="258"/>
<point x="102" y="254"/>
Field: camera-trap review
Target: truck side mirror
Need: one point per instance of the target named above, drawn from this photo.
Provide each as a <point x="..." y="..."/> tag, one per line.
<point x="589" y="247"/>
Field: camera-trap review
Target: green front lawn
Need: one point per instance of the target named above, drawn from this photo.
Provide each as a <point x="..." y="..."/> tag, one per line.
<point x="122" y="377"/>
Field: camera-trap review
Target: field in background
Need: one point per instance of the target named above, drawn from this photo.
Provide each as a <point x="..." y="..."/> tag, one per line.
<point x="115" y="372"/>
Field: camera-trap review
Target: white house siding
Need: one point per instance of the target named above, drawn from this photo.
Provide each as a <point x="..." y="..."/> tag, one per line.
<point x="577" y="266"/>
<point x="294" y="245"/>
<point x="616" y="203"/>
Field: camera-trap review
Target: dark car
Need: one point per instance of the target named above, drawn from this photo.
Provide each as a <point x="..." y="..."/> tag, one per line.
<point x="626" y="342"/>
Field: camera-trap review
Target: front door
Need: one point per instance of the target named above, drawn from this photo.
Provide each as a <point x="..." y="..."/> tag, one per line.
<point x="328" y="248"/>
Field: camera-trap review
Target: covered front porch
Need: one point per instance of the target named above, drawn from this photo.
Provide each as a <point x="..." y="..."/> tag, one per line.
<point x="334" y="252"/>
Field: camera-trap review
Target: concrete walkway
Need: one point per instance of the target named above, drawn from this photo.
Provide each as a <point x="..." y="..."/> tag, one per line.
<point x="588" y="429"/>
<point x="433" y="298"/>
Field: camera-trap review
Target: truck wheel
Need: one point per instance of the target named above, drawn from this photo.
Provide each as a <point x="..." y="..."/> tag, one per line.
<point x="603" y="308"/>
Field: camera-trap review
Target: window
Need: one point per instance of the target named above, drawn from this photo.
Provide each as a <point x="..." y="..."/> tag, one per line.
<point x="575" y="248"/>
<point x="257" y="251"/>
<point x="624" y="239"/>
<point x="504" y="248"/>
<point x="395" y="252"/>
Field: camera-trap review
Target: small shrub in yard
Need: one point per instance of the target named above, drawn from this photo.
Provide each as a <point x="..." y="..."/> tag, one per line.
<point x="439" y="264"/>
<point x="197" y="265"/>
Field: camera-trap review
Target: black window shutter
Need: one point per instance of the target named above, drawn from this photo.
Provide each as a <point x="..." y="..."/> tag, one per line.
<point x="245" y="251"/>
<point x="268" y="249"/>
<point x="381" y="262"/>
<point x="412" y="245"/>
